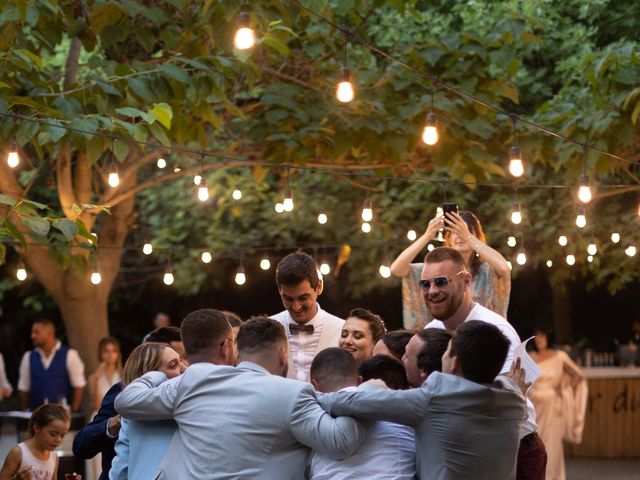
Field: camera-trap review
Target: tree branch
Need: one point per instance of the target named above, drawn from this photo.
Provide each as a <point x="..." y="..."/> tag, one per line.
<point x="65" y="182"/>
<point x="71" y="67"/>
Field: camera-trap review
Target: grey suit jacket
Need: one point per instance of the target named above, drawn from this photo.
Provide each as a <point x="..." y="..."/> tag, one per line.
<point x="463" y="429"/>
<point x="238" y="423"/>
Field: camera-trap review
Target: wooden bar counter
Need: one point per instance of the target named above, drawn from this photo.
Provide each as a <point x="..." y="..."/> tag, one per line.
<point x="612" y="424"/>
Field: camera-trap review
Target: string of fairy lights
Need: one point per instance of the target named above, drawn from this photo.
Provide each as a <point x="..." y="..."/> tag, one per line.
<point x="245" y="38"/>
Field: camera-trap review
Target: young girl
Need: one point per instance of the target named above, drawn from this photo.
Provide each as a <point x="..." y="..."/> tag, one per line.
<point x="35" y="459"/>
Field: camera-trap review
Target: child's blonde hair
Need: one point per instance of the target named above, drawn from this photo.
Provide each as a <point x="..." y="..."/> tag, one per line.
<point x="144" y="358"/>
<point x="45" y="414"/>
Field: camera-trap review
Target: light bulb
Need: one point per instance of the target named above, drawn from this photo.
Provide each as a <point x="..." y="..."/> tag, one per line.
<point x="197" y="179"/>
<point x="344" y="91"/>
<point x="430" y="247"/>
<point x="549" y="263"/>
<point x="325" y="269"/>
<point x="562" y="240"/>
<point x="237" y="194"/>
<point x="581" y="218"/>
<point x="615" y="237"/>
<point x="245" y="37"/>
<point x="206" y="257"/>
<point x="571" y="260"/>
<point x="592" y="249"/>
<point x="584" y="192"/>
<point x="367" y="211"/>
<point x="510" y="265"/>
<point x="203" y="191"/>
<point x="521" y="259"/>
<point x="21" y="272"/>
<point x="96" y="278"/>
<point x="13" y="159"/>
<point x="114" y="178"/>
<point x="412" y="235"/>
<point x="265" y="264"/>
<point x="430" y="132"/>
<point x="279" y="207"/>
<point x="162" y="163"/>
<point x="168" y="278"/>
<point x="366" y="227"/>
<point x="516" y="214"/>
<point x="322" y="219"/>
<point x="516" y="167"/>
<point x="590" y="258"/>
<point x="147" y="249"/>
<point x="287" y="204"/>
<point x="176" y="168"/>
<point x="241" y="278"/>
<point x="511" y="241"/>
<point x="385" y="271"/>
<point x="631" y="251"/>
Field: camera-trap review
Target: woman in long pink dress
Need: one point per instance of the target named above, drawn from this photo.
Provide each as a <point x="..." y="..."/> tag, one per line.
<point x="560" y="398"/>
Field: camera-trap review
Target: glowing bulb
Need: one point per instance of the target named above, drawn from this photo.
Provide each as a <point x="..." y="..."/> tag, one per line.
<point x="430" y="132"/>
<point x="13" y="159"/>
<point x="344" y="91"/>
<point x="21" y="272"/>
<point x="571" y="260"/>
<point x="279" y="207"/>
<point x="590" y="258"/>
<point x="510" y="265"/>
<point x="385" y="271"/>
<point x="96" y="278"/>
<point x="147" y="249"/>
<point x="631" y="251"/>
<point x="325" y="269"/>
<point x="197" y="179"/>
<point x="237" y="194"/>
<point x="562" y="240"/>
<point x="287" y="204"/>
<point x="581" y="218"/>
<point x="114" y="178"/>
<point x="366" y="227"/>
<point x="584" y="192"/>
<point x="206" y="257"/>
<point x="176" y="168"/>
<point x="516" y="167"/>
<point x="203" y="191"/>
<point x="592" y="249"/>
<point x="367" y="211"/>
<point x="549" y="264"/>
<point x="322" y="219"/>
<point x="615" y="237"/>
<point x="265" y="264"/>
<point x="162" y="163"/>
<point x="521" y="259"/>
<point x="511" y="241"/>
<point x="168" y="278"/>
<point x="412" y="235"/>
<point x="516" y="214"/>
<point x="430" y="247"/>
<point x="245" y="37"/>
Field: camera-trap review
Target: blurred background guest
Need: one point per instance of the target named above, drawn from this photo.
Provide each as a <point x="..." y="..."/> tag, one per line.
<point x="360" y="333"/>
<point x="161" y="320"/>
<point x="5" y="387"/>
<point x="393" y="344"/>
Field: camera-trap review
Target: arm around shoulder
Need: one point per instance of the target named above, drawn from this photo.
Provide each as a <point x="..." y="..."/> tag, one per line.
<point x="149" y="397"/>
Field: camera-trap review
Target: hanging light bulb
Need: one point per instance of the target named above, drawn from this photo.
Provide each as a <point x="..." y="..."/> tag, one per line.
<point x="325" y="269"/>
<point x="412" y="235"/>
<point x="96" y="278"/>
<point x="114" y="178"/>
<point x="590" y="258"/>
<point x="147" y="249"/>
<point x="581" y="218"/>
<point x="21" y="272"/>
<point x="236" y="195"/>
<point x="344" y="90"/>
<point x="176" y="168"/>
<point x="279" y="207"/>
<point x="516" y="214"/>
<point x="206" y="257"/>
<point x="430" y="247"/>
<point x="13" y="159"/>
<point x="592" y="249"/>
<point x="571" y="260"/>
<point x="162" y="163"/>
<point x="245" y="37"/>
<point x="367" y="211"/>
<point x="430" y="132"/>
<point x="203" y="191"/>
<point x="168" y="277"/>
<point x="521" y="258"/>
<point x="562" y="240"/>
<point x="516" y="167"/>
<point x="366" y="227"/>
<point x="510" y="265"/>
<point x="511" y="241"/>
<point x="549" y="263"/>
<point x="631" y="251"/>
<point x="287" y="204"/>
<point x="584" y="191"/>
<point x="322" y="218"/>
<point x="385" y="271"/>
<point x="615" y="237"/>
<point x="265" y="264"/>
<point x="197" y="179"/>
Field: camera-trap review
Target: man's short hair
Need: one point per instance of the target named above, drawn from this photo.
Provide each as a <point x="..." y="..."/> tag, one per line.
<point x="47" y="322"/>
<point x="295" y="268"/>
<point x="333" y="364"/>
<point x="387" y="369"/>
<point x="481" y="349"/>
<point x="440" y="254"/>
<point x="396" y="342"/>
<point x="436" y="341"/>
<point x="203" y="330"/>
<point x="233" y="318"/>
<point x="260" y="333"/>
<point x="164" y="335"/>
<point x="376" y="324"/>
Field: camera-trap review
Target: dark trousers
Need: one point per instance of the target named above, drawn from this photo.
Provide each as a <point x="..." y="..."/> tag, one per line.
<point x="532" y="458"/>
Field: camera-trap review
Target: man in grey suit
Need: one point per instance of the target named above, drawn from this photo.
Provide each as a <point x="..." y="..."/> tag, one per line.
<point x="241" y="423"/>
<point x="466" y="427"/>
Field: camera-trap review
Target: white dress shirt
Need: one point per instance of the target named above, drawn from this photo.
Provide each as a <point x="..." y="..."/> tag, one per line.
<point x="75" y="367"/>
<point x="388" y="453"/>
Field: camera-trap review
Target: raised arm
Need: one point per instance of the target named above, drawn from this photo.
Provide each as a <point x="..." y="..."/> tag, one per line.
<point x="400" y="266"/>
<point x="150" y="397"/>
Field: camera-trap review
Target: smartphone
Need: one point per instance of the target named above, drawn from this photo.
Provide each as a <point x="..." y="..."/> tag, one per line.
<point x="449" y="207"/>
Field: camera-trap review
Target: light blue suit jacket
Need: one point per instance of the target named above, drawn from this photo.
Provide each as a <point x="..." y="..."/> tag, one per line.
<point x="238" y="423"/>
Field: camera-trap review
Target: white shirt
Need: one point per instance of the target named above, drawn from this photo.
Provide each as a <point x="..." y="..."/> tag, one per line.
<point x="75" y="367"/>
<point x="303" y="347"/>
<point x="388" y="453"/>
<point x="478" y="312"/>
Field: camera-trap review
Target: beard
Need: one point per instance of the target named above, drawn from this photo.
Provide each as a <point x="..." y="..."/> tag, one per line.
<point x="443" y="306"/>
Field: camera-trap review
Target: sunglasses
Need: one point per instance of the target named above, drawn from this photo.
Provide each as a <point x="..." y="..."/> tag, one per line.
<point x="439" y="282"/>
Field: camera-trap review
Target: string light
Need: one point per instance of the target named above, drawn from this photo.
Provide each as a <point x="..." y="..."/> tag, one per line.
<point x="510" y="265"/>
<point x="322" y="218"/>
<point x="549" y="263"/>
<point x="430" y="247"/>
<point x="592" y="249"/>
<point x="287" y="204"/>
<point x="590" y="258"/>
<point x="516" y="166"/>
<point x="366" y="227"/>
<point x="631" y="251"/>
<point x="206" y="257"/>
<point x="176" y="168"/>
<point x="265" y="264"/>
<point x="571" y="260"/>
<point x="584" y="190"/>
<point x="21" y="271"/>
<point x="279" y="207"/>
<point x="511" y="241"/>
<point x="237" y="194"/>
<point x="245" y="37"/>
<point x="13" y="159"/>
<point x="344" y="90"/>
<point x="197" y="179"/>
<point x="581" y="218"/>
<point x="147" y="249"/>
<point x="114" y="178"/>
<point x="385" y="271"/>
<point x="325" y="269"/>
<point x="367" y="211"/>
<point x="241" y="277"/>
<point x="516" y="214"/>
<point x="521" y="258"/>
<point x="562" y="240"/>
<point x="203" y="191"/>
<point x="430" y="132"/>
<point x="161" y="163"/>
<point x="412" y="235"/>
<point x="96" y="278"/>
<point x="168" y="277"/>
<point x="615" y="237"/>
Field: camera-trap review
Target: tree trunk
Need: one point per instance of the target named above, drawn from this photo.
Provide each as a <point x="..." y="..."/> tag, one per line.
<point x="561" y="310"/>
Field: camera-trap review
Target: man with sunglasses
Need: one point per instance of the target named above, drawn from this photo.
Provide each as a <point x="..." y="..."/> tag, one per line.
<point x="446" y="288"/>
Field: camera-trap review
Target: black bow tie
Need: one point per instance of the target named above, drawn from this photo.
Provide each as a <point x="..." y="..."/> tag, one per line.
<point x="296" y="328"/>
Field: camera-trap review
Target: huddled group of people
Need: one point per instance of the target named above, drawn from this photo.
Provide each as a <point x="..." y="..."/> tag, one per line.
<point x="304" y="394"/>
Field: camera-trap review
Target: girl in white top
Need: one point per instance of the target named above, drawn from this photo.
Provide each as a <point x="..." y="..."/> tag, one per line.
<point x="35" y="459"/>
